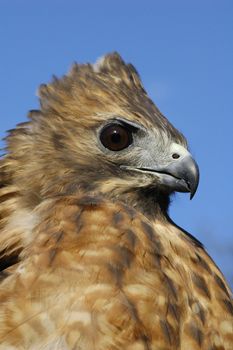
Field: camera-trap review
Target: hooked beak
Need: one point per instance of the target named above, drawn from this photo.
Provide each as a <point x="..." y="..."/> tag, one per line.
<point x="181" y="175"/>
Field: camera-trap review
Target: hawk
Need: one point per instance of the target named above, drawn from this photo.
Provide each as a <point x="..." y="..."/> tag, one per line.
<point x="90" y="258"/>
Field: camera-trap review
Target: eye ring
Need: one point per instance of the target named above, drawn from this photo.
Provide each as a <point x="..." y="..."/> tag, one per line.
<point x="116" y="137"/>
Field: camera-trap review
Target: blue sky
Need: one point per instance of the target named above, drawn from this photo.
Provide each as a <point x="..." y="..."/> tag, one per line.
<point x="184" y="53"/>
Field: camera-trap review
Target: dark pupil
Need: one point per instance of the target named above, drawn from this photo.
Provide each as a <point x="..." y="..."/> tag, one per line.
<point x="116" y="137"/>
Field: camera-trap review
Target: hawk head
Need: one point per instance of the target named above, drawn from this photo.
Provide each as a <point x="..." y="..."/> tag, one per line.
<point x="97" y="131"/>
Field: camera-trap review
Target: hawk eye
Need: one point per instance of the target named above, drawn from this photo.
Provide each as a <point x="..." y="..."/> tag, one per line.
<point x="116" y="137"/>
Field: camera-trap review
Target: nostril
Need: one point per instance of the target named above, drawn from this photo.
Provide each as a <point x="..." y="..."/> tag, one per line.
<point x="175" y="156"/>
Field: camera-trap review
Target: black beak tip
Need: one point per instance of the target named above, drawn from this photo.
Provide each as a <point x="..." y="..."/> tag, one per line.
<point x="193" y="184"/>
<point x="192" y="195"/>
